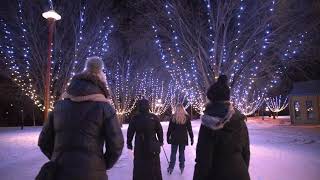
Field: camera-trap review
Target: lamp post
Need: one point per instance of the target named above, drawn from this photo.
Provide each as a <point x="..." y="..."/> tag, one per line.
<point x="191" y="112"/>
<point x="51" y="16"/>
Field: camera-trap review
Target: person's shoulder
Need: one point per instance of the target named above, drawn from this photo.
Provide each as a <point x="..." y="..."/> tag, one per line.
<point x="153" y="117"/>
<point x="238" y="115"/>
<point x="61" y="104"/>
<point x="108" y="107"/>
<point x="204" y="130"/>
<point x="238" y="120"/>
<point x="135" y="117"/>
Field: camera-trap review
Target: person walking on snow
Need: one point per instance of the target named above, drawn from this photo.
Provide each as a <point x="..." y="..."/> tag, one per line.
<point x="223" y="149"/>
<point x="148" y="133"/>
<point x="177" y="136"/>
<point x="81" y="125"/>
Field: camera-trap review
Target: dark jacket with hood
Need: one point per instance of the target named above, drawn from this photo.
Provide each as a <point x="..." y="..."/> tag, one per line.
<point x="147" y="130"/>
<point x="223" y="151"/>
<point x="177" y="134"/>
<point x="78" y="128"/>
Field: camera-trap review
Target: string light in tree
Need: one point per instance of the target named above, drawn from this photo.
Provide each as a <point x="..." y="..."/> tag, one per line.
<point x="178" y="95"/>
<point x="183" y="70"/>
<point x="248" y="103"/>
<point x="19" y="60"/>
<point x="277" y="104"/>
<point x="79" y="40"/>
<point x="293" y="47"/>
<point x="20" y="50"/>
<point x="122" y="89"/>
<point x="90" y="43"/>
<point x="157" y="92"/>
<point x="243" y="48"/>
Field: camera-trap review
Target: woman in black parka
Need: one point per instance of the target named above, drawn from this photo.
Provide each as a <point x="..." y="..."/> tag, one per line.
<point x="148" y="133"/>
<point x="80" y="125"/>
<point x="177" y="136"/>
<point x="223" y="151"/>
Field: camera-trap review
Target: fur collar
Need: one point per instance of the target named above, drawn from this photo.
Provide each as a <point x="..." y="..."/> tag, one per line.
<point x="95" y="80"/>
<point x="91" y="97"/>
<point x="216" y="123"/>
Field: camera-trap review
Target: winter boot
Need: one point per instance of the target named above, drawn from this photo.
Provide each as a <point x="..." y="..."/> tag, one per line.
<point x="169" y="170"/>
<point x="181" y="169"/>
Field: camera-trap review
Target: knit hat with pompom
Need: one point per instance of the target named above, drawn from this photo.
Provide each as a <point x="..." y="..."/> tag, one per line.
<point x="220" y="90"/>
<point x="94" y="65"/>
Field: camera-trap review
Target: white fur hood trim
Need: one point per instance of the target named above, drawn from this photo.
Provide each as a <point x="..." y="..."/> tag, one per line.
<point x="216" y="123"/>
<point x="91" y="97"/>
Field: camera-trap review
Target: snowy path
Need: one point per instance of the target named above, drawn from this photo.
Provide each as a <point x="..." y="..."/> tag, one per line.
<point x="277" y="153"/>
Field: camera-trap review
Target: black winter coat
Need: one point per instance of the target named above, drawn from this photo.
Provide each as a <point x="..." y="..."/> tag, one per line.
<point x="77" y="131"/>
<point x="222" y="154"/>
<point x="145" y="127"/>
<point x="177" y="134"/>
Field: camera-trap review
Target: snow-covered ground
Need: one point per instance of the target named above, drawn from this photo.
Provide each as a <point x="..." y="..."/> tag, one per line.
<point x="278" y="152"/>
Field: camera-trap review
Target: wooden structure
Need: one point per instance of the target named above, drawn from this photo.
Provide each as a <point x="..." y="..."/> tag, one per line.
<point x="304" y="102"/>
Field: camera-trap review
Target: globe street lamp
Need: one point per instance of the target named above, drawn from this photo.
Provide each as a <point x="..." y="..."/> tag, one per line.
<point x="52" y="16"/>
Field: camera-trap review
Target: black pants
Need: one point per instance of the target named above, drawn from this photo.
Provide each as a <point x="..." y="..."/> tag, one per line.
<point x="174" y="149"/>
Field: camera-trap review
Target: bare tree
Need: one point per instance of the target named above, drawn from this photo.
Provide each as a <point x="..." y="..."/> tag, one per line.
<point x="122" y="86"/>
<point x="83" y="31"/>
<point x="276" y="104"/>
<point x="253" y="42"/>
<point x="157" y="91"/>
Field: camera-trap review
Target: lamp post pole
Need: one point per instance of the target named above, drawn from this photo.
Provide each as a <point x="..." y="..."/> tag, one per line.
<point x="52" y="17"/>
<point x="191" y="112"/>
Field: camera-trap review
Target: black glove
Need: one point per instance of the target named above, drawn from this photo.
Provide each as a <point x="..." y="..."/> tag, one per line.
<point x="191" y="141"/>
<point x="169" y="140"/>
<point x="129" y="146"/>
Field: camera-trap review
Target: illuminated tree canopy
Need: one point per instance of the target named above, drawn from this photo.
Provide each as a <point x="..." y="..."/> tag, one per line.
<point x="23" y="49"/>
<point x="245" y="40"/>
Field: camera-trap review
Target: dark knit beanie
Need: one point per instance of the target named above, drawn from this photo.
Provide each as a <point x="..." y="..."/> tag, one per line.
<point x="143" y="105"/>
<point x="220" y="90"/>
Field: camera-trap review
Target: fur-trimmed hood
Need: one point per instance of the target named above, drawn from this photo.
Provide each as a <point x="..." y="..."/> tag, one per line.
<point x="86" y="87"/>
<point x="91" y="97"/>
<point x="216" y="122"/>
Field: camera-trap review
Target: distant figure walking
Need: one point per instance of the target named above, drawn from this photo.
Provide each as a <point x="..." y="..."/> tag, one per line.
<point x="177" y="136"/>
<point x="223" y="151"/>
<point x="80" y="125"/>
<point x="148" y="133"/>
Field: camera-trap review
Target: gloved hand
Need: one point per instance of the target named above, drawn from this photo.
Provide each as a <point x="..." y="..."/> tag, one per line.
<point x="192" y="141"/>
<point x="129" y="146"/>
<point x="169" y="140"/>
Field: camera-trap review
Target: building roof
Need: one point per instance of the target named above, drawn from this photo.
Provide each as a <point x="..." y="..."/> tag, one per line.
<point x="306" y="88"/>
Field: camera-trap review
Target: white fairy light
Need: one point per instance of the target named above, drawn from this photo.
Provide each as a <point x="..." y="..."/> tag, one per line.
<point x="277" y="104"/>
